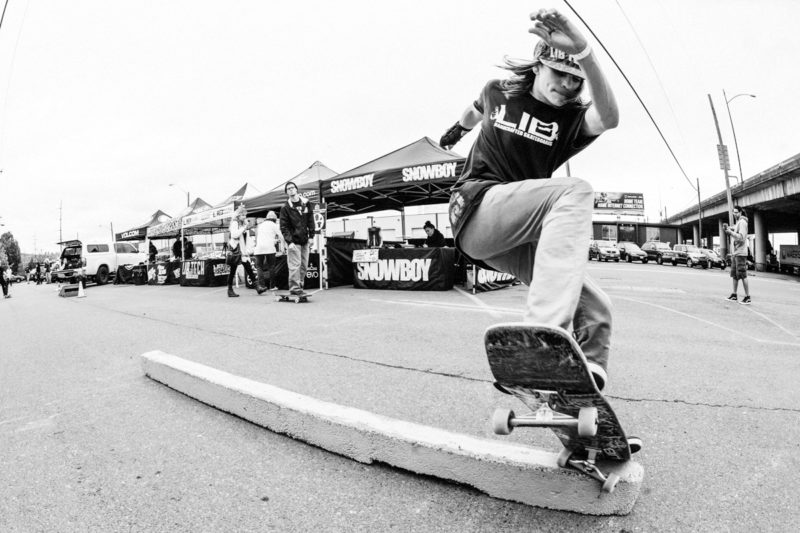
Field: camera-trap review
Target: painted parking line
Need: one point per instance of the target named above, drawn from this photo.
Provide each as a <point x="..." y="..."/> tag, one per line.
<point x="718" y="326"/>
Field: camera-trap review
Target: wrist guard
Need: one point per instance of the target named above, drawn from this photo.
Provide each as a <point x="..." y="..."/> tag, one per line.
<point x="452" y="136"/>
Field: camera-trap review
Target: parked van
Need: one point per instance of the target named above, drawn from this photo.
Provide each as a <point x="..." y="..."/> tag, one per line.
<point x="100" y="260"/>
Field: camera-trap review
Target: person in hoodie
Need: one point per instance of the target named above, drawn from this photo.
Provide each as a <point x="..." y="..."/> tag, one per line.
<point x="269" y="242"/>
<point x="297" y="228"/>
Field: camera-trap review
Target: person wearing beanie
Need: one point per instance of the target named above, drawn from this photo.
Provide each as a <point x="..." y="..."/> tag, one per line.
<point x="435" y="238"/>
<point x="297" y="227"/>
<point x="506" y="213"/>
<point x="269" y="243"/>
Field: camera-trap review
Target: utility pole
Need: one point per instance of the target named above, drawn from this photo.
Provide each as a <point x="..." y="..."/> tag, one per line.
<point x="699" y="242"/>
<point x="724" y="164"/>
<point x="60" y="219"/>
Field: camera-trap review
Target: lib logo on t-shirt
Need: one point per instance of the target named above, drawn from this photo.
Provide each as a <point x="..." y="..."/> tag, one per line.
<point x="529" y="127"/>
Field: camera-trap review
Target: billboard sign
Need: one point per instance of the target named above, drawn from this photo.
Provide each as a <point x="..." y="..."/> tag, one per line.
<point x="623" y="203"/>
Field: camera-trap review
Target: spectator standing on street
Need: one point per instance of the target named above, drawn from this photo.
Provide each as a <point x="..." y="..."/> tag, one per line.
<point x="297" y="227"/>
<point x="739" y="255"/>
<point x="237" y="246"/>
<point x="5" y="279"/>
<point x="269" y="241"/>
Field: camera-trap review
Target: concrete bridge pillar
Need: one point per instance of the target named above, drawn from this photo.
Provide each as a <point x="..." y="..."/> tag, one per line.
<point x="723" y="240"/>
<point x="760" y="229"/>
<point x="696" y="236"/>
<point x="680" y="236"/>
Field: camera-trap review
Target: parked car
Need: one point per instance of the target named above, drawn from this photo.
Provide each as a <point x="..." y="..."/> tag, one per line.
<point x="714" y="260"/>
<point x="690" y="255"/>
<point x="630" y="251"/>
<point x="660" y="252"/>
<point x="99" y="261"/>
<point x="603" y="251"/>
<point x="16" y="278"/>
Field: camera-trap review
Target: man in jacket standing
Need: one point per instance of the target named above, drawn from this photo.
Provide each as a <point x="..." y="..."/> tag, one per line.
<point x="297" y="227"/>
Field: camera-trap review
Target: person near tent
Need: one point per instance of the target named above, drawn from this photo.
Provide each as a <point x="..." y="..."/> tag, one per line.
<point x="297" y="227"/>
<point x="237" y="249"/>
<point x="504" y="211"/>
<point x="176" y="248"/>
<point x="269" y="241"/>
<point x="188" y="248"/>
<point x="153" y="252"/>
<point x="435" y="238"/>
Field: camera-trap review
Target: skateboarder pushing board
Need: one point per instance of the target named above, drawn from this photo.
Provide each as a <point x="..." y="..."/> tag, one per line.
<point x="506" y="212"/>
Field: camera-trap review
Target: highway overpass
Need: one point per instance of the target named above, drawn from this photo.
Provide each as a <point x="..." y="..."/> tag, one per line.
<point x="771" y="199"/>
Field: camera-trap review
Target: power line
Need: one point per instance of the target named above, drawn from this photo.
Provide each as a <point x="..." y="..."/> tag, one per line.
<point x="3" y="16"/>
<point x="646" y="110"/>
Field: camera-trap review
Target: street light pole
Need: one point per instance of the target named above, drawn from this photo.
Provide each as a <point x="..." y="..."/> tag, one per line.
<point x="733" y="130"/>
<point x="182" y="189"/>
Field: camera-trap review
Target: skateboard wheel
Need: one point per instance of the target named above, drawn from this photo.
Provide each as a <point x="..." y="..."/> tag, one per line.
<point x="501" y="421"/>
<point x="635" y="444"/>
<point x="563" y="457"/>
<point x="587" y="422"/>
<point x="610" y="483"/>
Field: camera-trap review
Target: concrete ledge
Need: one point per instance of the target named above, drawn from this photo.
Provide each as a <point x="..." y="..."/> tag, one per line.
<point x="507" y="471"/>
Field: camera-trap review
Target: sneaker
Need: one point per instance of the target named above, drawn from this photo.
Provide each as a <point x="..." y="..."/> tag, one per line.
<point x="745" y="301"/>
<point x="600" y="376"/>
<point x="732" y="298"/>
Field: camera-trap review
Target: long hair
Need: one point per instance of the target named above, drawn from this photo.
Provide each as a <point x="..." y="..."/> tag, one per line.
<point x="522" y="77"/>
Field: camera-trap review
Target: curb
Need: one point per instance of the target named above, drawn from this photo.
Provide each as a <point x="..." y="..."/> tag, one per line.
<point x="506" y="471"/>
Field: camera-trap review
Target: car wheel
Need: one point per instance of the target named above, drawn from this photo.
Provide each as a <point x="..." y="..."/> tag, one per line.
<point x="644" y="261"/>
<point x="660" y="260"/>
<point x="616" y="259"/>
<point x="101" y="278"/>
<point x="674" y="263"/>
<point x="689" y="263"/>
<point x="628" y="259"/>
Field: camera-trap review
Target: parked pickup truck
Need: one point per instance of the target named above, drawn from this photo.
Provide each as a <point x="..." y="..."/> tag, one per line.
<point x="99" y="260"/>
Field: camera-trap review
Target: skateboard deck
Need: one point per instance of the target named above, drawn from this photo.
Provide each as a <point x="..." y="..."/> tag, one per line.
<point x="286" y="296"/>
<point x="545" y="368"/>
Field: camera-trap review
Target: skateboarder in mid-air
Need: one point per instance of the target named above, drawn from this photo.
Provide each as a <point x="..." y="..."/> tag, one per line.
<point x="506" y="212"/>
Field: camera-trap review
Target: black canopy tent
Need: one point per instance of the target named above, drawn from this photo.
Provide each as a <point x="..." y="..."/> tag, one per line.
<point x="171" y="228"/>
<point x="308" y="182"/>
<point x="420" y="173"/>
<point x="138" y="233"/>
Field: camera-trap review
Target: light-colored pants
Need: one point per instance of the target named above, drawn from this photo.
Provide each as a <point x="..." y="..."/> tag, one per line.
<point x="546" y="223"/>
<point x="297" y="261"/>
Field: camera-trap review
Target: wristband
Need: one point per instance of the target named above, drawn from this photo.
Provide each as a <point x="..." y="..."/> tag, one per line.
<point x="582" y="54"/>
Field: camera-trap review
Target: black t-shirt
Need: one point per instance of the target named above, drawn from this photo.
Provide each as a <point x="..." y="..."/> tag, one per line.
<point x="520" y="138"/>
<point x="436" y="240"/>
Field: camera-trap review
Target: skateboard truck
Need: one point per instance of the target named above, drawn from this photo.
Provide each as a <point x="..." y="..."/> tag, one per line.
<point x="504" y="420"/>
<point x="589" y="467"/>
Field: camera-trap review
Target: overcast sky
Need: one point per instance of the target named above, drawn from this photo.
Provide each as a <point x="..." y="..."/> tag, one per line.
<point x="103" y="103"/>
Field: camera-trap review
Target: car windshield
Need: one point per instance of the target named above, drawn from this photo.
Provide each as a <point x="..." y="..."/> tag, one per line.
<point x="607" y="244"/>
<point x="691" y="248"/>
<point x="631" y="247"/>
<point x="662" y="246"/>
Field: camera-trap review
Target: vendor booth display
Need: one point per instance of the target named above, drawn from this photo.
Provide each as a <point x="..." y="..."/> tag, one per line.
<point x="416" y="269"/>
<point x="204" y="273"/>
<point x="482" y="280"/>
<point x="132" y="274"/>
<point x="139" y="233"/>
<point x="420" y="173"/>
<point x="164" y="272"/>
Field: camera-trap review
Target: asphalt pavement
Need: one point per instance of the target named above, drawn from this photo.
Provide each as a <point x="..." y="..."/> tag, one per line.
<point x="90" y="444"/>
